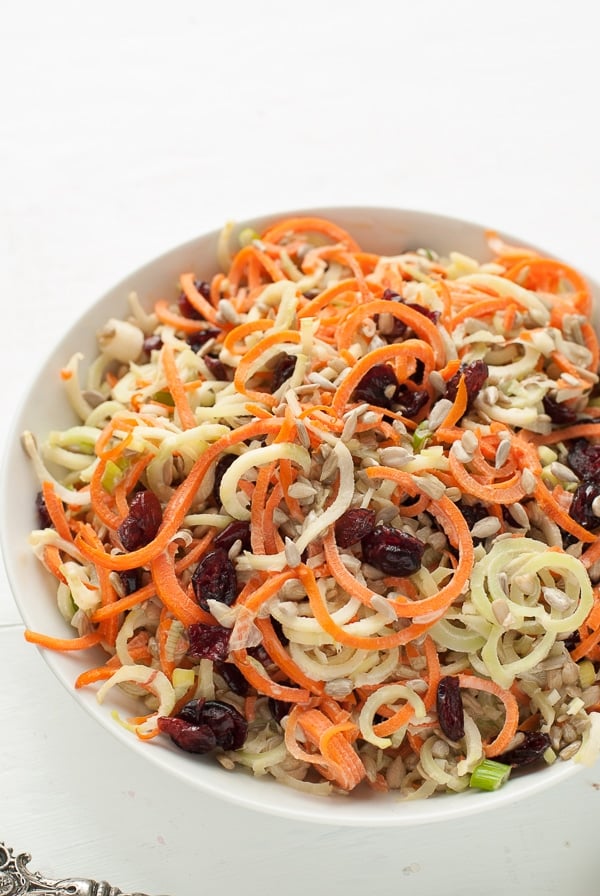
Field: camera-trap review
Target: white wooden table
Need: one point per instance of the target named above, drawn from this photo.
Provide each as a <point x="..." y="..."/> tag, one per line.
<point x="127" y="128"/>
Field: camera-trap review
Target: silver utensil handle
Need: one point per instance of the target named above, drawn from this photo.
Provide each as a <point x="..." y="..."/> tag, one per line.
<point x="16" y="879"/>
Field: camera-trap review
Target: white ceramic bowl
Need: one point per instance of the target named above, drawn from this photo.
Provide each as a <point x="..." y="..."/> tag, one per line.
<point x="386" y="231"/>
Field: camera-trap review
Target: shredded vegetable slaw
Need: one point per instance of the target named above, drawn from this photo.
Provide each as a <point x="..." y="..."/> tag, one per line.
<point x="321" y="513"/>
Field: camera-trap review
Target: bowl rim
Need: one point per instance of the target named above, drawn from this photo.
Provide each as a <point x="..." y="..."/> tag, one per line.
<point x="345" y="811"/>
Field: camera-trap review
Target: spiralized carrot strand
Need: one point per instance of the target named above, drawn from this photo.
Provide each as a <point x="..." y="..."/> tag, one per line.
<point x="176" y="388"/>
<point x="290" y="226"/>
<point x="63" y="644"/>
<point x="56" y="511"/>
<point x="511" y="708"/>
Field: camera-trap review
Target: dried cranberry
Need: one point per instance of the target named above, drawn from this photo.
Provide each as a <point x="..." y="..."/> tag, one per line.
<point x="142" y="522"/>
<point x="217" y="369"/>
<point x="354" y="524"/>
<point x="228" y="725"/>
<point x="203" y="725"/>
<point x="283" y="370"/>
<point x="475" y="374"/>
<point x="389" y="295"/>
<point x="376" y="386"/>
<point x="392" y="551"/>
<point x="410" y="401"/>
<point x="581" y="505"/>
<point x="529" y="750"/>
<point x="187" y="736"/>
<point x="214" y="579"/>
<point x="279" y="709"/>
<point x="233" y="678"/>
<point x="558" y="411"/>
<point x="221" y="468"/>
<point x="42" y="512"/>
<point x="208" y="642"/>
<point x="450" y="711"/>
<point x="152" y="343"/>
<point x="584" y="459"/>
<point x="433" y="316"/>
<point x="201" y="337"/>
<point x="239" y="530"/>
<point x="131" y="580"/>
<point x="572" y="640"/>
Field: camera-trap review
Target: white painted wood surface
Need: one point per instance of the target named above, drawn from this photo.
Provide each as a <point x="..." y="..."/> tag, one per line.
<point x="127" y="128"/>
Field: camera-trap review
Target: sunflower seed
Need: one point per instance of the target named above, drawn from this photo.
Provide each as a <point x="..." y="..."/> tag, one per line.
<point x="349" y="426"/>
<point x="292" y="554"/>
<point x="460" y="453"/>
<point x="437" y="382"/>
<point x="502" y="452"/>
<point x="382" y="606"/>
<point x="301" y="490"/>
<point x="519" y="514"/>
<point x="501" y="611"/>
<point x="571" y="750"/>
<point x="395" y="457"/>
<point x="528" y="481"/>
<point x="319" y="380"/>
<point x="329" y="468"/>
<point x="339" y="687"/>
<point x="489" y="525"/>
<point x="369" y="417"/>
<point x="303" y="436"/>
<point x="453" y="493"/>
<point x="556" y="598"/>
<point x="430" y="486"/>
<point x="527" y="583"/>
<point x="228" y="313"/>
<point x="469" y="441"/>
<point x="562" y="472"/>
<point x="438" y="413"/>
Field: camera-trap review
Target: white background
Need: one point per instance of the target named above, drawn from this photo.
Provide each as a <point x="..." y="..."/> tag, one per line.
<point x="126" y="128"/>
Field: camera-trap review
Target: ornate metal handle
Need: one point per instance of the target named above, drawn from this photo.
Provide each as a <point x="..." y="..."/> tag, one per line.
<point x="16" y="879"/>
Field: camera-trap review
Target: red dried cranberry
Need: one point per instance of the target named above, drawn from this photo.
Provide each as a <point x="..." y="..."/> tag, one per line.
<point x="217" y="369"/>
<point x="152" y="343"/>
<point x="354" y="524"/>
<point x="42" y="512"/>
<point x="572" y="640"/>
<point x="584" y="459"/>
<point x="581" y="505"/>
<point x="558" y="411"/>
<point x="450" y="711"/>
<point x="392" y="551"/>
<point x="475" y="374"/>
<point x="433" y="316"/>
<point x="239" y="530"/>
<point x="233" y="678"/>
<point x="203" y="725"/>
<point x="214" y="579"/>
<point x="279" y="709"/>
<point x="283" y="370"/>
<point x="201" y="337"/>
<point x="208" y="642"/>
<point x="376" y="386"/>
<point x="221" y="468"/>
<point x="188" y="737"/>
<point x="475" y="512"/>
<point x="529" y="750"/>
<point x="131" y="580"/>
<point x="142" y="522"/>
<point x="410" y="402"/>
